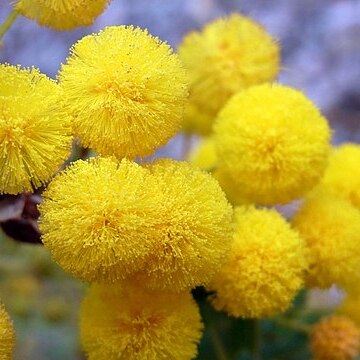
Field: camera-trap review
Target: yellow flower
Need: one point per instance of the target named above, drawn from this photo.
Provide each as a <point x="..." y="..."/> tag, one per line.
<point x="61" y="14"/>
<point x="195" y="225"/>
<point x="7" y="335"/>
<point x="350" y="307"/>
<point x="126" y="89"/>
<point x="335" y="338"/>
<point x="204" y="155"/>
<point x="342" y="176"/>
<point x="273" y="142"/>
<point x="99" y="218"/>
<point x="133" y="323"/>
<point x="265" y="267"/>
<point x="34" y="132"/>
<point x="228" y="55"/>
<point x="331" y="229"/>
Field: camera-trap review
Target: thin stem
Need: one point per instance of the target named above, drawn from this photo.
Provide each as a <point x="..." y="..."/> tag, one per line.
<point x="217" y="343"/>
<point x="294" y="325"/>
<point x="257" y="343"/>
<point x="8" y="22"/>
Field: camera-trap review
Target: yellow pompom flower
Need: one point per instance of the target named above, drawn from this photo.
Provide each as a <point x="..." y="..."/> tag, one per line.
<point x="204" y="155"/>
<point x="133" y="323"/>
<point x="196" y="228"/>
<point x="265" y="267"/>
<point x="99" y="218"/>
<point x="61" y="14"/>
<point x="34" y="132"/>
<point x="126" y="89"/>
<point x="7" y="335"/>
<point x="342" y="176"/>
<point x="351" y="306"/>
<point x="335" y="338"/>
<point x="331" y="228"/>
<point x="273" y="142"/>
<point x="228" y="55"/>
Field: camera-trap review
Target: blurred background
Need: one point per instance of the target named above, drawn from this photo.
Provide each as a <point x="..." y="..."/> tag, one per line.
<point x="320" y="42"/>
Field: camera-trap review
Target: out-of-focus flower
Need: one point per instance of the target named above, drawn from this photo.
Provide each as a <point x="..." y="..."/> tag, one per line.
<point x="61" y="14"/>
<point x="331" y="228"/>
<point x="7" y="335"/>
<point x="100" y="217"/>
<point x="265" y="267"/>
<point x="228" y="55"/>
<point x="196" y="228"/>
<point x="342" y="176"/>
<point x="273" y="142"/>
<point x="34" y="131"/>
<point x="335" y="338"/>
<point x="350" y="306"/>
<point x="133" y="323"/>
<point x="126" y="89"/>
<point x="204" y="155"/>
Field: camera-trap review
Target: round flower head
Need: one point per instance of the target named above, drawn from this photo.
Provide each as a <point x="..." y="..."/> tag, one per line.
<point x="204" y="155"/>
<point x="7" y="335"/>
<point x="222" y="60"/>
<point x="331" y="229"/>
<point x="34" y="132"/>
<point x="264" y="270"/>
<point x="351" y="307"/>
<point x="273" y="142"/>
<point x="342" y="176"/>
<point x="335" y="338"/>
<point x="126" y="89"/>
<point x="195" y="228"/>
<point x="99" y="218"/>
<point x="61" y="14"/>
<point x="133" y="323"/>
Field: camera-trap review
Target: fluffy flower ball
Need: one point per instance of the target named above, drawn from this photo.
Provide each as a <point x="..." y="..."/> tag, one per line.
<point x="273" y="142"/>
<point x="61" y="14"/>
<point x="99" y="218"/>
<point x="132" y="323"/>
<point x="335" y="338"/>
<point x="331" y="228"/>
<point x="34" y="132"/>
<point x="264" y="270"/>
<point x="126" y="89"/>
<point x="195" y="225"/>
<point x="342" y="176"/>
<point x="350" y="307"/>
<point x="222" y="60"/>
<point x="7" y="335"/>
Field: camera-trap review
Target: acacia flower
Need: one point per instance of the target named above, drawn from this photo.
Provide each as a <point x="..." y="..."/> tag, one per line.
<point x="7" y="335"/>
<point x="195" y="225"/>
<point x="99" y="218"/>
<point x="331" y="228"/>
<point x="222" y="60"/>
<point x="264" y="269"/>
<point x="335" y="338"/>
<point x="350" y="306"/>
<point x="342" y="176"/>
<point x="61" y="14"/>
<point x="34" y="131"/>
<point x="126" y="89"/>
<point x="273" y="142"/>
<point x="130" y="322"/>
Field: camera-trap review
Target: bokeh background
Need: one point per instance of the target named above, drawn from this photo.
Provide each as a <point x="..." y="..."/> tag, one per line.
<point x="320" y="42"/>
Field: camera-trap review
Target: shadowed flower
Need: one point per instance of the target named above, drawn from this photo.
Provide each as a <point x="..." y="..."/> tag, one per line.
<point x="61" y="14"/>
<point x="265" y="267"/>
<point x="7" y="335"/>
<point x="126" y="90"/>
<point x="34" y="132"/>
<point x="228" y="55"/>
<point x="273" y="142"/>
<point x="335" y="338"/>
<point x="133" y="323"/>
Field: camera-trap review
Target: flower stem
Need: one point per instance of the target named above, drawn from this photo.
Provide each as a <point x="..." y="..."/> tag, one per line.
<point x="217" y="343"/>
<point x="8" y="22"/>
<point x="294" y="325"/>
